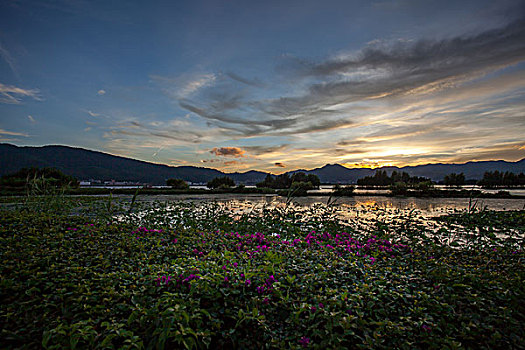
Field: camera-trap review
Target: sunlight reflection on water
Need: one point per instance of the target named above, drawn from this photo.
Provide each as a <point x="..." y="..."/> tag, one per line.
<point x="348" y="207"/>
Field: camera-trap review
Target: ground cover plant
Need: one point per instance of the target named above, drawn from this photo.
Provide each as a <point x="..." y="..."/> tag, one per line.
<point x="85" y="273"/>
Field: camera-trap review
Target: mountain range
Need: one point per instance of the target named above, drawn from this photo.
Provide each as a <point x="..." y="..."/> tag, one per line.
<point x="86" y="164"/>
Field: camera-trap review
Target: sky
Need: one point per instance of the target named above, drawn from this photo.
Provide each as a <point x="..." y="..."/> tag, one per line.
<point x="267" y="85"/>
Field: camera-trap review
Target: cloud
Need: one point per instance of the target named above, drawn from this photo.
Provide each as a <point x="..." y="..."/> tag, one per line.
<point x="343" y="143"/>
<point x="12" y="133"/>
<point x="322" y="95"/>
<point x="250" y="82"/>
<point x="263" y="150"/>
<point x="31" y="119"/>
<point x="384" y="69"/>
<point x="13" y="95"/>
<point x="280" y="165"/>
<point x="93" y="114"/>
<point x="101" y="92"/>
<point x="220" y="161"/>
<point x="185" y="85"/>
<point x="228" y="151"/>
<point x="9" y="60"/>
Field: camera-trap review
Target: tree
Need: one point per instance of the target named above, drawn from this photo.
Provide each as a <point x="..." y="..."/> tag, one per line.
<point x="382" y="179"/>
<point x="500" y="179"/>
<point x="48" y="177"/>
<point x="454" y="179"/>
<point x="343" y="191"/>
<point x="221" y="182"/>
<point x="283" y="181"/>
<point x="177" y="184"/>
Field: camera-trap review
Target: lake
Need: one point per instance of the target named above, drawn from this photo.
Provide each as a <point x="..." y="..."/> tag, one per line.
<point x="347" y="206"/>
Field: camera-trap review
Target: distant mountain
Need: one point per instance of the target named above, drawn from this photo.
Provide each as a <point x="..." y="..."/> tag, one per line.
<point x="335" y="173"/>
<point x="85" y="164"/>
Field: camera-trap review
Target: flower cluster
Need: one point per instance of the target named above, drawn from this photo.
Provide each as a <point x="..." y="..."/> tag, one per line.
<point x="144" y="232"/>
<point x="178" y="281"/>
<point x="267" y="287"/>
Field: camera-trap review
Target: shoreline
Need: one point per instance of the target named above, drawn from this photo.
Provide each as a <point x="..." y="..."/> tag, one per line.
<point x="265" y="191"/>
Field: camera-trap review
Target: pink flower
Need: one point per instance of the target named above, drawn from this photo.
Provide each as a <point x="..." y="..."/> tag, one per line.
<point x="304" y="341"/>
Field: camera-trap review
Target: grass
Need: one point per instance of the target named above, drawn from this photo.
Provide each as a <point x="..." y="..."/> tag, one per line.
<point x="103" y="273"/>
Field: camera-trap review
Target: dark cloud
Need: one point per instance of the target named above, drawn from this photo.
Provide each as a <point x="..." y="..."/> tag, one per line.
<point x="280" y="165"/>
<point x="228" y="151"/>
<point x="343" y="143"/>
<point x="379" y="70"/>
<point x="259" y="150"/>
<point x="433" y="59"/>
<point x="135" y="129"/>
<point x="250" y="82"/>
<point x="388" y="69"/>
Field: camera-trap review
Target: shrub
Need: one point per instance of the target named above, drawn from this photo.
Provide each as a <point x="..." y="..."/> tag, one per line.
<point x="178" y="184"/>
<point x="221" y="182"/>
<point x="343" y="191"/>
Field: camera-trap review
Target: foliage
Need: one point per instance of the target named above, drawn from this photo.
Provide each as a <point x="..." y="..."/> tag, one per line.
<point x="399" y="189"/>
<point x="180" y="276"/>
<point x="454" y="179"/>
<point x="501" y="179"/>
<point x="221" y="182"/>
<point x="284" y="181"/>
<point x="343" y="191"/>
<point x="177" y="184"/>
<point x="381" y="178"/>
<point x="44" y="178"/>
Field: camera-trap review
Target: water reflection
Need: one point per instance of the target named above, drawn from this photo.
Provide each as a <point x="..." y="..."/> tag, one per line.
<point x="348" y="206"/>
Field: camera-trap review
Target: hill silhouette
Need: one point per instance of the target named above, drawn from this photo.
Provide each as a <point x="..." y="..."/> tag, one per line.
<point x="86" y="164"/>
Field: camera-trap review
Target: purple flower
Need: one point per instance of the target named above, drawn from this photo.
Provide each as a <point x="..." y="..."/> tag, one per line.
<point x="426" y="328"/>
<point x="304" y="341"/>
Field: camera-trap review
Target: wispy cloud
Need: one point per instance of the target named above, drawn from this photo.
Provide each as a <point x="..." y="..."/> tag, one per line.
<point x="13" y="95"/>
<point x="93" y="114"/>
<point x="240" y="79"/>
<point x="185" y="85"/>
<point x="12" y="133"/>
<point x="8" y="58"/>
<point x="31" y="119"/>
<point x="326" y="92"/>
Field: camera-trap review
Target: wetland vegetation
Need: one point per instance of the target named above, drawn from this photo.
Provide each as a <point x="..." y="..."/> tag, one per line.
<point x="87" y="272"/>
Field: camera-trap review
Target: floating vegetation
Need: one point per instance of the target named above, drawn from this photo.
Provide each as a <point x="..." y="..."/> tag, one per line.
<point x="114" y="274"/>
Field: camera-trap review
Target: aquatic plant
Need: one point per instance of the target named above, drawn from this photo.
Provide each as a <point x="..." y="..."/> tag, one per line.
<point x="181" y="275"/>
